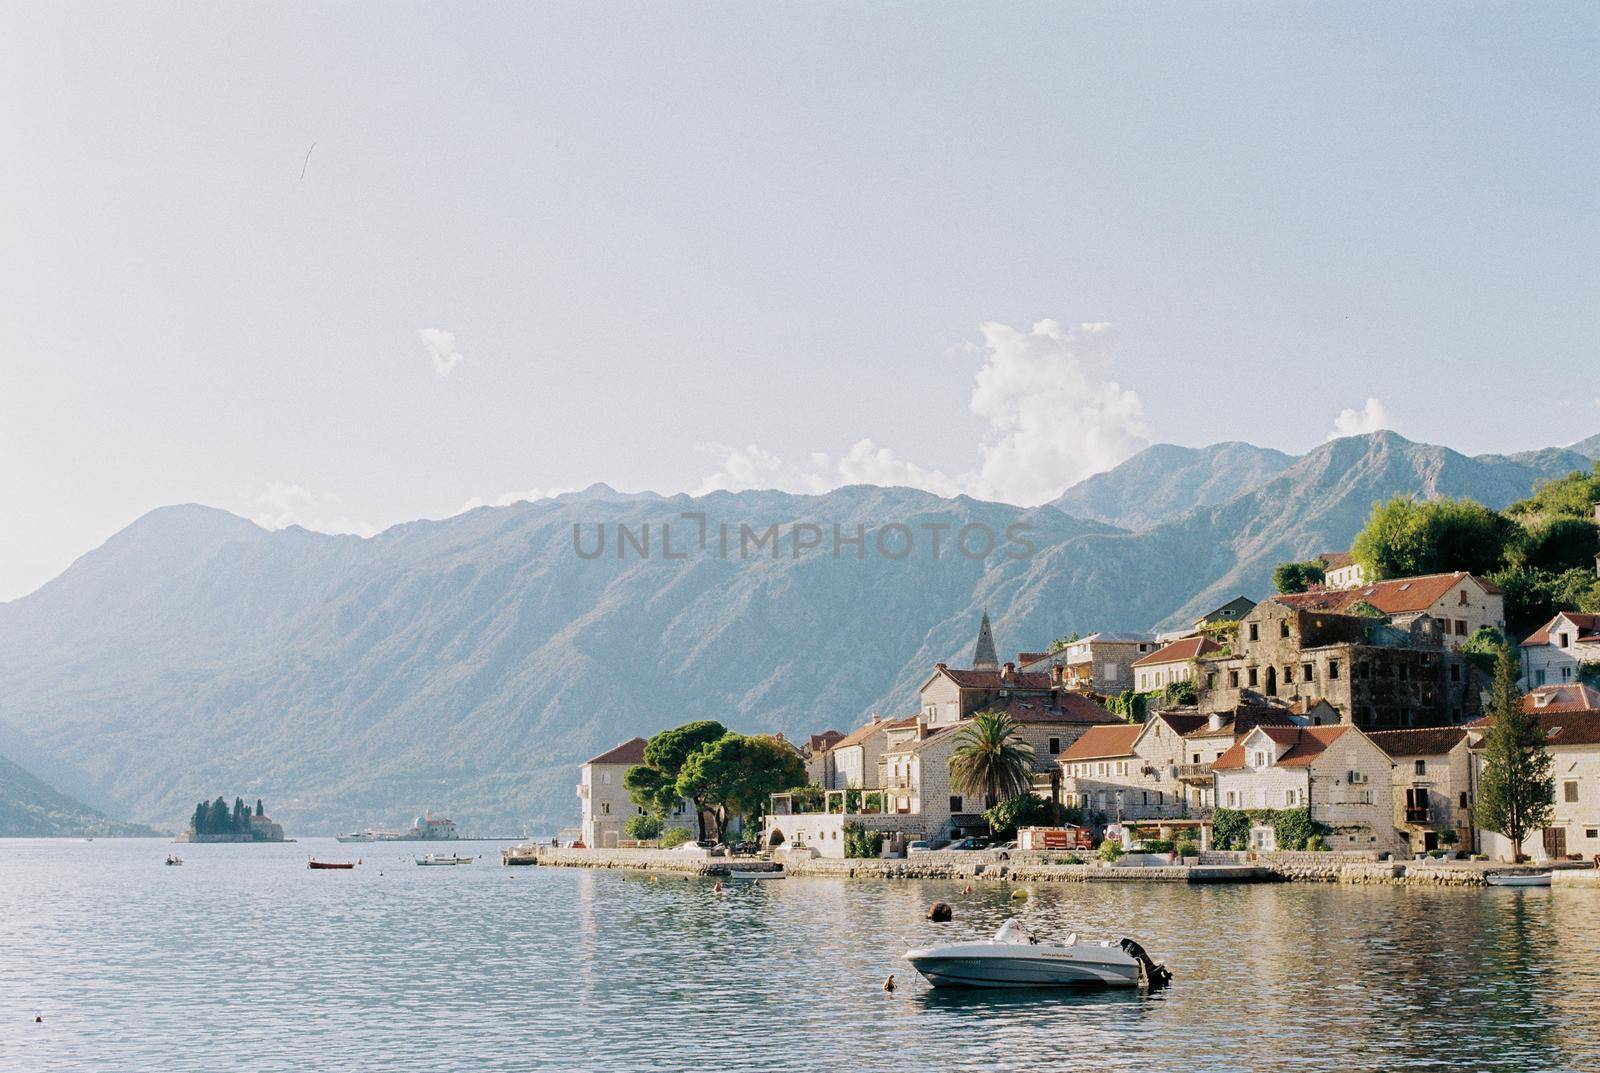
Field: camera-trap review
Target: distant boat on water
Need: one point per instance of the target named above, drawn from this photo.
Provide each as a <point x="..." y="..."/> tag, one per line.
<point x="314" y="863"/>
<point x="435" y="860"/>
<point x="174" y="860"/>
<point x="1538" y="879"/>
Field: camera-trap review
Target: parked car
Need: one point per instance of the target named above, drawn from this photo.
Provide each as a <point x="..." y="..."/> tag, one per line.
<point x="919" y="846"/>
<point x="969" y="844"/>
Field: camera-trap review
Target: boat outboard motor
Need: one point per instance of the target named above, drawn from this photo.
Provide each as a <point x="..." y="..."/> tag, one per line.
<point x="1156" y="975"/>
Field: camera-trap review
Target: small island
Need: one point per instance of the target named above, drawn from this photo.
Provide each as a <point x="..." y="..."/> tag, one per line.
<point x="214" y="822"/>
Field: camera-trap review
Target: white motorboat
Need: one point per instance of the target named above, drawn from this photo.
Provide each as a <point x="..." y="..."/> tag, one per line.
<point x="1013" y="958"/>
<point x="749" y="875"/>
<point x="434" y="859"/>
<point x="1507" y="879"/>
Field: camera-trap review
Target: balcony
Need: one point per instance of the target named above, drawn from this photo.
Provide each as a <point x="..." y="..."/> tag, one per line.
<point x="1200" y="773"/>
<point x="1417" y="815"/>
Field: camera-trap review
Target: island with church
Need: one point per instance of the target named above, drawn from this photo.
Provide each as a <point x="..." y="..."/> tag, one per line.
<point x="214" y="821"/>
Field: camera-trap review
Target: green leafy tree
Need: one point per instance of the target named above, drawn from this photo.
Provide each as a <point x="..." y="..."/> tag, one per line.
<point x="1299" y="576"/>
<point x="1532" y="597"/>
<point x="1230" y="828"/>
<point x="1517" y="788"/>
<point x="734" y="775"/>
<point x="1026" y="810"/>
<point x="991" y="760"/>
<point x="1405" y="537"/>
<point x="653" y="785"/>
<point x="642" y="826"/>
<point x="1061" y="642"/>
<point x="1559" y="544"/>
<point x="1484" y="647"/>
<point x="673" y="837"/>
<point x="1182" y="692"/>
<point x="1572" y="496"/>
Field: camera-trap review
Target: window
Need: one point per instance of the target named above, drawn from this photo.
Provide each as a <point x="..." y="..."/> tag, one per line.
<point x="1231" y="799"/>
<point x="1461" y="627"/>
<point x="1255" y="634"/>
<point x="1443" y="624"/>
<point x="1570" y="791"/>
<point x="1211" y="679"/>
<point x="1288" y="798"/>
<point x="1283" y="627"/>
<point x="1566" y="673"/>
<point x="1333" y="668"/>
<point x="1463" y="799"/>
<point x="1233" y="679"/>
<point x="1252" y="676"/>
<point x="1055" y="746"/>
<point x="1146" y="800"/>
<point x="1196" y="759"/>
<point x="1590" y="832"/>
<point x="605" y="778"/>
<point x="1420" y="767"/>
<point x="1463" y="600"/>
<point x="605" y="808"/>
<point x="1566" y="638"/>
<point x="955" y="803"/>
<point x="1307" y="672"/>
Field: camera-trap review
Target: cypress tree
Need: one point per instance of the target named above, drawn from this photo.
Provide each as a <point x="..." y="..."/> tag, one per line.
<point x="220" y="820"/>
<point x="197" y="822"/>
<point x="1517" y="790"/>
<point x="260" y="812"/>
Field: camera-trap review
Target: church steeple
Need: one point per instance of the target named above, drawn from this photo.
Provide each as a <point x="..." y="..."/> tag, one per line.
<point x="983" y="656"/>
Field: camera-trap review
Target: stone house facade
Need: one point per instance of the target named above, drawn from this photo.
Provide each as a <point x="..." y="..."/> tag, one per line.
<point x="1459" y="603"/>
<point x="1131" y="772"/>
<point x="853" y="760"/>
<point x="604" y="802"/>
<point x="1555" y="654"/>
<point x="1099" y="663"/>
<point x="1334" y="771"/>
<point x="1341" y="571"/>
<point x="1573" y="741"/>
<point x="1432" y="785"/>
<point x="1373" y="672"/>
<point x="1171" y="663"/>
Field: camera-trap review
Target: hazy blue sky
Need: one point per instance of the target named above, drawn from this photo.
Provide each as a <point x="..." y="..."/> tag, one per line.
<point x="693" y="246"/>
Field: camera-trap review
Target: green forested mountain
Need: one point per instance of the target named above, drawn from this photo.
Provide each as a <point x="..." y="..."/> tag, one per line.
<point x="30" y="809"/>
<point x="467" y="665"/>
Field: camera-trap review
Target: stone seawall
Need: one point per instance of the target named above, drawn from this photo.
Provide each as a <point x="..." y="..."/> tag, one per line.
<point x="1355" y="869"/>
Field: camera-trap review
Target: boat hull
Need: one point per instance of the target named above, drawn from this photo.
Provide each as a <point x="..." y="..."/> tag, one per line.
<point x="1519" y="880"/>
<point x="330" y="864"/>
<point x="1026" y="967"/>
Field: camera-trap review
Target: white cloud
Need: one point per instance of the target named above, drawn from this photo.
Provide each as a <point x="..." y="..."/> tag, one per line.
<point x="1054" y="417"/>
<point x="441" y="347"/>
<point x="283" y="504"/>
<point x="1370" y="418"/>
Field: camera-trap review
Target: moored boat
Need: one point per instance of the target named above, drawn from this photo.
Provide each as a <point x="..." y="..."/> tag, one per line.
<point x="174" y="860"/>
<point x="1013" y="958"/>
<point x="434" y="859"/>
<point x="1521" y="879"/>
<point x="314" y="863"/>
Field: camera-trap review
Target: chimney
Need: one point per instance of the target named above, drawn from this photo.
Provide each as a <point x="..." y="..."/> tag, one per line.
<point x="1008" y="672"/>
<point x="876" y="718"/>
<point x="1214" y="721"/>
<point x="941" y="666"/>
<point x="1056" y="673"/>
<point x="778" y="735"/>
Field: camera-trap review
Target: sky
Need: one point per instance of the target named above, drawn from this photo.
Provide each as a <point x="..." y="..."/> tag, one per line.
<point x="350" y="265"/>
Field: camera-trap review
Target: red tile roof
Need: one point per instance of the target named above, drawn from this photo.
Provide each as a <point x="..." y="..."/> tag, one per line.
<point x="1561" y="728"/>
<point x="1393" y="597"/>
<point x="1588" y="628"/>
<point x="1025" y="658"/>
<point x="1337" y="560"/>
<point x="1418" y="741"/>
<point x="1101" y="742"/>
<point x="1575" y="697"/>
<point x="629" y="752"/>
<point x="1179" y="651"/>
<point x="1304" y="744"/>
<point x="821" y="743"/>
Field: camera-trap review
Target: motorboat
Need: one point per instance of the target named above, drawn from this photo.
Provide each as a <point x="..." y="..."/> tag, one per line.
<point x="174" y="860"/>
<point x="750" y="875"/>
<point x="434" y="859"/>
<point x="314" y="863"/>
<point x="1014" y="958"/>
<point x="1509" y="879"/>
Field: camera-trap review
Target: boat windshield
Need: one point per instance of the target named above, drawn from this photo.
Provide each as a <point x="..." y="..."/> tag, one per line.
<point x="1012" y="931"/>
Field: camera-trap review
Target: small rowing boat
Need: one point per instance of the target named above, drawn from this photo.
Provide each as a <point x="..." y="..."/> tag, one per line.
<point x="1506" y="879"/>
<point x="174" y="860"/>
<point x="314" y="863"/>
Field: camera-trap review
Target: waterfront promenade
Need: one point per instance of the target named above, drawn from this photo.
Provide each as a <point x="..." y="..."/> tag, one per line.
<point x="1349" y="868"/>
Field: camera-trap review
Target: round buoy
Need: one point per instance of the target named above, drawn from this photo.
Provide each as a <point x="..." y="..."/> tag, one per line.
<point x="1019" y="895"/>
<point x="716" y="888"/>
<point x="38" y="1018"/>
<point x="940" y="912"/>
<point x="888" y="985"/>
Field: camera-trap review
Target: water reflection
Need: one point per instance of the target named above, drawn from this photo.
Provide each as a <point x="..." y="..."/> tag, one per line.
<point x="244" y="959"/>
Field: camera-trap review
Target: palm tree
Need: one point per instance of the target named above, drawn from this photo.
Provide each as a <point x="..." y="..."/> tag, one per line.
<point x="992" y="759"/>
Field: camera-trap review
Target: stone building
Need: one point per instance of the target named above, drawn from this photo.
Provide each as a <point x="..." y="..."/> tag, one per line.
<point x="1334" y="771"/>
<point x="1132" y="771"/>
<point x="1432" y="785"/>
<point x="852" y="760"/>
<point x="1459" y="603"/>
<point x="1171" y="663"/>
<point x="1098" y="663"/>
<point x="1573" y="741"/>
<point x="1374" y="672"/>
<point x="604" y="802"/>
<point x="1341" y="571"/>
<point x="1555" y="654"/>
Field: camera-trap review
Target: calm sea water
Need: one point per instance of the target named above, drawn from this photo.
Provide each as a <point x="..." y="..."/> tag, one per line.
<point x="244" y="959"/>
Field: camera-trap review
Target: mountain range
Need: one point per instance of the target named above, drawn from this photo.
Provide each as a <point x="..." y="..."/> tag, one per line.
<point x="469" y="664"/>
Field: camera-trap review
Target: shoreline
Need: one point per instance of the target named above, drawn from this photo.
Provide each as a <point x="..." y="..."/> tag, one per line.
<point x="1268" y="868"/>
